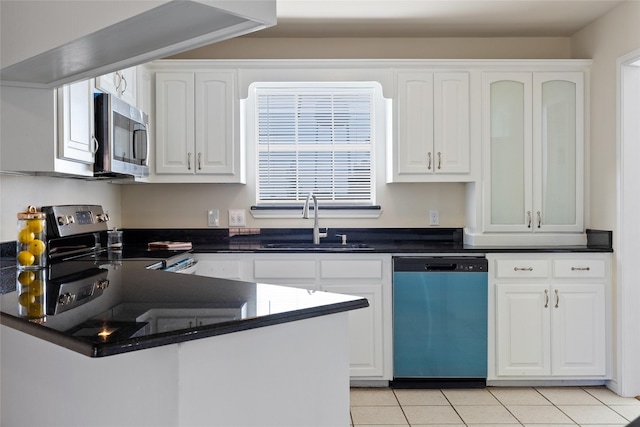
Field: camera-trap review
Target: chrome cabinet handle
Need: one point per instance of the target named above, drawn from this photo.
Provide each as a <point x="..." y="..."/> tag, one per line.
<point x="439" y="160"/>
<point x="429" y="160"/>
<point x="124" y="89"/>
<point x="96" y="144"/>
<point x="522" y="268"/>
<point x="557" y="298"/>
<point x="118" y="81"/>
<point x="189" y="161"/>
<point x="546" y="298"/>
<point x="539" y="216"/>
<point x="199" y="161"/>
<point x="528" y="219"/>
<point x="580" y="268"/>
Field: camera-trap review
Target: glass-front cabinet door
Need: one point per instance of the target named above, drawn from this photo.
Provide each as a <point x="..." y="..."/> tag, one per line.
<point x="507" y="161"/>
<point x="558" y="155"/>
<point x="533" y="152"/>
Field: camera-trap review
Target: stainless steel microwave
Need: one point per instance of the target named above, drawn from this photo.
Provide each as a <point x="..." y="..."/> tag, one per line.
<point x="122" y="134"/>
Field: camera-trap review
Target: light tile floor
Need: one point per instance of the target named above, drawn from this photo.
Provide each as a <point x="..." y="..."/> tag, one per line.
<point x="493" y="406"/>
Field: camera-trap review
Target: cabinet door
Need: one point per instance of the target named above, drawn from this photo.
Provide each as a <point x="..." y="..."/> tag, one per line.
<point x="365" y="330"/>
<point x="128" y="81"/>
<point x="120" y="83"/>
<point x="522" y="329"/>
<point x="215" y="123"/>
<point x="414" y="113"/>
<point x="558" y="151"/>
<point x="174" y="123"/>
<point x="451" y="123"/>
<point x="507" y="138"/>
<point x="578" y="330"/>
<point x="76" y="139"/>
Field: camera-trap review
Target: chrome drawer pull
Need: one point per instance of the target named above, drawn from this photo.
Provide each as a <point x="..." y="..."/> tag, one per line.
<point x="546" y="298"/>
<point x="580" y="269"/>
<point x="557" y="298"/>
<point x="522" y="268"/>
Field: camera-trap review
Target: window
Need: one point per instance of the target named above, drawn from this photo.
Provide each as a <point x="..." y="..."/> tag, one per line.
<point x="315" y="137"/>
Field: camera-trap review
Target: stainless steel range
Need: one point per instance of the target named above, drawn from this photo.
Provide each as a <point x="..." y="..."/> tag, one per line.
<point x="75" y="235"/>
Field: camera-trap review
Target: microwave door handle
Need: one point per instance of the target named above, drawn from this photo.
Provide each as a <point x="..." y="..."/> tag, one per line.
<point x="137" y="141"/>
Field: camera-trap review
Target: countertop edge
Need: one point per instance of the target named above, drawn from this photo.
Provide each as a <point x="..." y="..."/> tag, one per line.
<point x="174" y="337"/>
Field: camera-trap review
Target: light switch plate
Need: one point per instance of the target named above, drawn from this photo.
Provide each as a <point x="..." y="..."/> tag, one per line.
<point x="237" y="218"/>
<point x="213" y="218"/>
<point x="434" y="217"/>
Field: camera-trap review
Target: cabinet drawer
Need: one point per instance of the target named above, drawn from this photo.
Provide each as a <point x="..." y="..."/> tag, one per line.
<point x="226" y="269"/>
<point x="579" y="268"/>
<point x="351" y="269"/>
<point x="289" y="269"/>
<point x="522" y="268"/>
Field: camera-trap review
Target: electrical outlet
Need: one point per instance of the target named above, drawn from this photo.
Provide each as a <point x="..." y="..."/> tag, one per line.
<point x="213" y="218"/>
<point x="434" y="218"/>
<point x="237" y="218"/>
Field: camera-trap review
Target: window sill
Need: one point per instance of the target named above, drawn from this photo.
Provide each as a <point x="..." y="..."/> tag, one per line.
<point x="261" y="212"/>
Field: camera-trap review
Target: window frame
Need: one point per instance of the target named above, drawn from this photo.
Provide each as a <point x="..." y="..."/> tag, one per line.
<point x="380" y="118"/>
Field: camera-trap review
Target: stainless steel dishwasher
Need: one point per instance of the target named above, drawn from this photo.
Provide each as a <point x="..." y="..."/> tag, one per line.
<point x="439" y="322"/>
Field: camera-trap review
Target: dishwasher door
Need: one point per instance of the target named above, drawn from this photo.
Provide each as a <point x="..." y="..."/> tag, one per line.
<point x="440" y="322"/>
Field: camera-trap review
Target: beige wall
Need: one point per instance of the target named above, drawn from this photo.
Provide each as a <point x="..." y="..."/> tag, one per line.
<point x="608" y="38"/>
<point x="385" y="48"/>
<point x="20" y="191"/>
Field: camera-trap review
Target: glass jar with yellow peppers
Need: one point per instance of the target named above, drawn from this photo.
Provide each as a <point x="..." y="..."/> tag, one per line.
<point x="31" y="287"/>
<point x="31" y="251"/>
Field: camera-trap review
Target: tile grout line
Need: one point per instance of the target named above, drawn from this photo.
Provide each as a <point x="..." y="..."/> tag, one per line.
<point x="505" y="407"/>
<point x="404" y="414"/>
<point x="601" y="403"/>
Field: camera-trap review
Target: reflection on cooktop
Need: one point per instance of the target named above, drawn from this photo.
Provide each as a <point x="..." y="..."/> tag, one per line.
<point x="99" y="331"/>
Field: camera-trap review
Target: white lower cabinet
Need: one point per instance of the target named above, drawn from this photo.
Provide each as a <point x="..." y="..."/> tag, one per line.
<point x="367" y="276"/>
<point x="551" y="316"/>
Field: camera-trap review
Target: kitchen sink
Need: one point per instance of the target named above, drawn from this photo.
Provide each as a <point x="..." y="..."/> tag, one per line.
<point x="322" y="247"/>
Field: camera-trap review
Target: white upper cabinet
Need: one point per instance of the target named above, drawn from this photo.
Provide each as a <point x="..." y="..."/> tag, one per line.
<point x="76" y="141"/>
<point x="175" y="129"/>
<point x="215" y="123"/>
<point x="431" y="141"/>
<point x="48" y="131"/>
<point x="121" y="84"/>
<point x="197" y="136"/>
<point x="533" y="141"/>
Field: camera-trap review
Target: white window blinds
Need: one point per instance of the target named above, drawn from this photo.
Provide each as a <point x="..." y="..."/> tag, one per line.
<point x="315" y="139"/>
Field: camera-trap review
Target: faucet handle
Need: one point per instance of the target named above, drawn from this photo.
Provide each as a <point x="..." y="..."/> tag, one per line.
<point x="344" y="238"/>
<point x="325" y="234"/>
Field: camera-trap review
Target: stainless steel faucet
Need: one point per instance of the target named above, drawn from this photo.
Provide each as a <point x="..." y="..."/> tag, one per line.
<point x="305" y="214"/>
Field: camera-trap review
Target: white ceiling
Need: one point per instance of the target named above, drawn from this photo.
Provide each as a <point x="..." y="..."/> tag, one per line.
<point x="435" y="18"/>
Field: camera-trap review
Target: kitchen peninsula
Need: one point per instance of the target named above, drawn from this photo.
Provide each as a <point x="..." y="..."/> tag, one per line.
<point x="155" y="348"/>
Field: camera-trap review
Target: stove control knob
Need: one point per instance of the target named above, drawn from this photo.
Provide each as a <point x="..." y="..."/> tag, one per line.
<point x="102" y="284"/>
<point x="103" y="217"/>
<point x="66" y="220"/>
<point x="66" y="298"/>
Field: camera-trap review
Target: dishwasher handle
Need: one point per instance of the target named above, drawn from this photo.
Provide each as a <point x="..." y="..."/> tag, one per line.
<point x="440" y="264"/>
<point x="440" y="267"/>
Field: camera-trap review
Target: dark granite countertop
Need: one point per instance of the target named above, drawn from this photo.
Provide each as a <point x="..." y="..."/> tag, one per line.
<point x="144" y="308"/>
<point x="147" y="308"/>
<point x="360" y="240"/>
